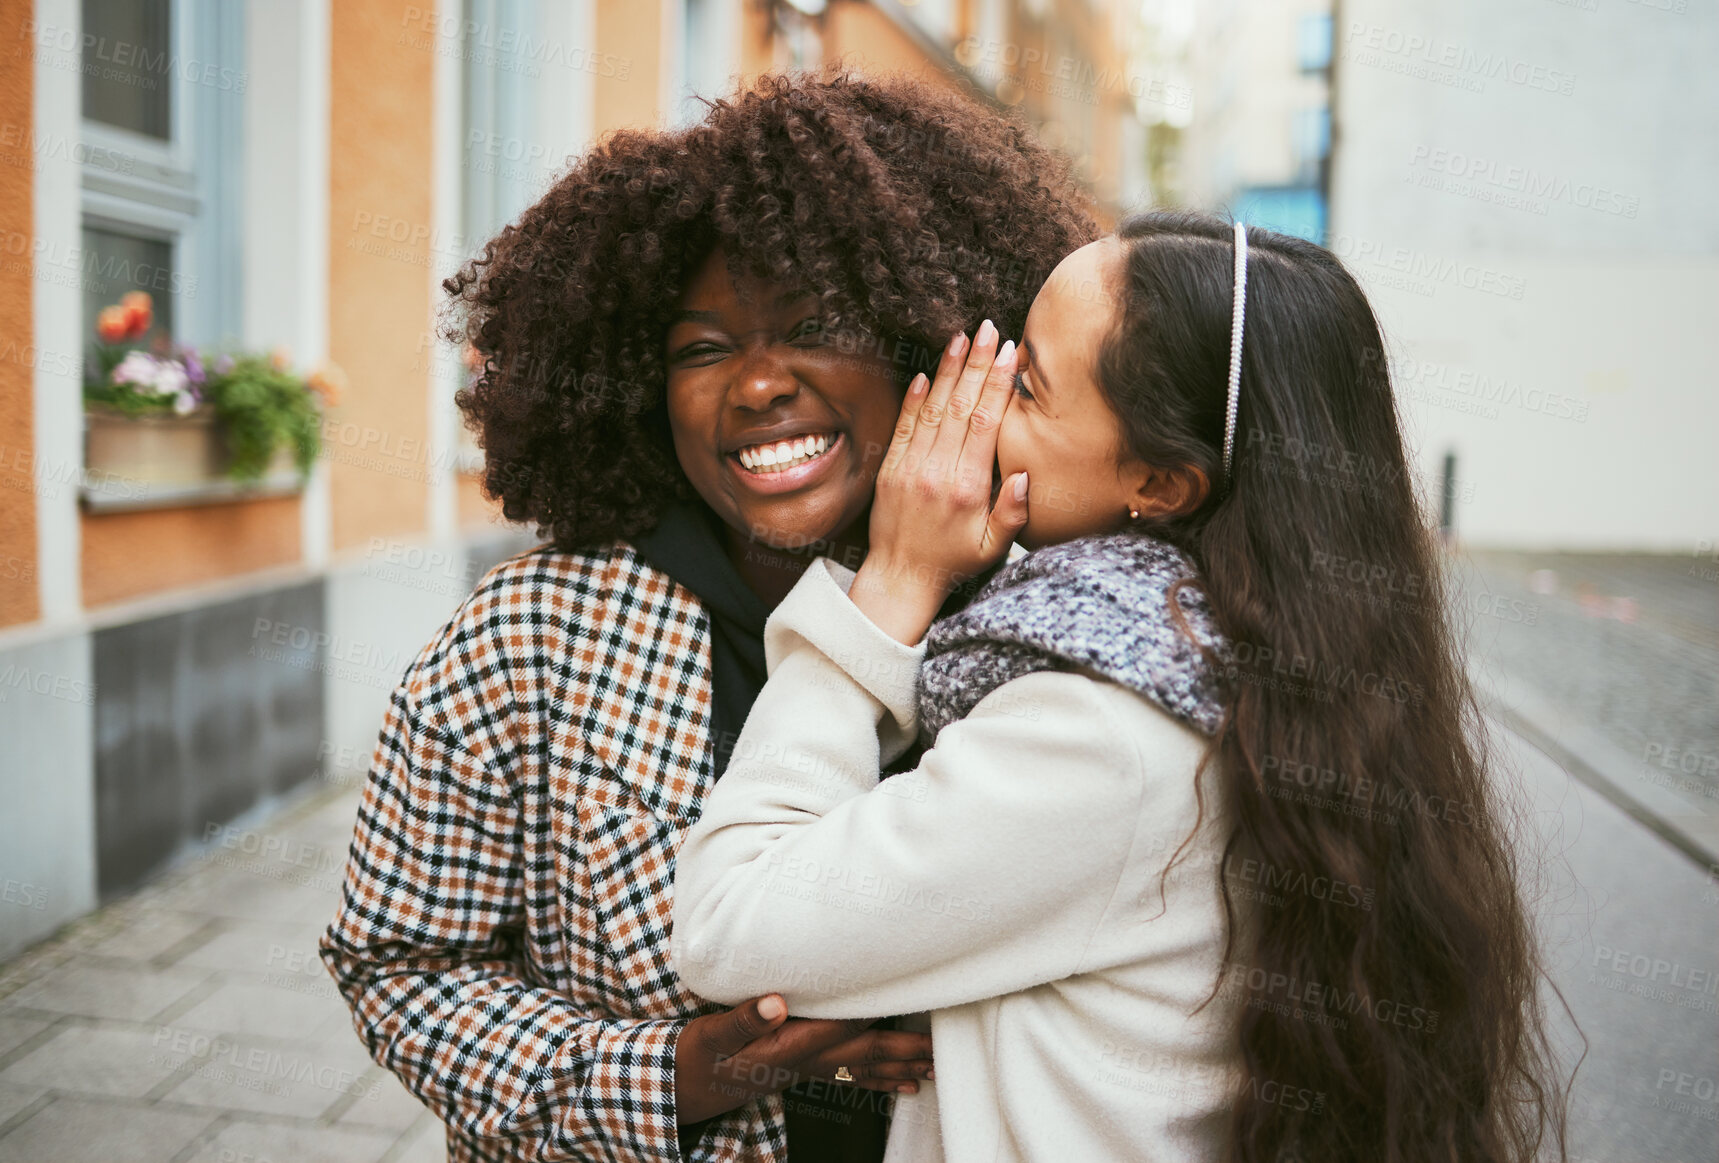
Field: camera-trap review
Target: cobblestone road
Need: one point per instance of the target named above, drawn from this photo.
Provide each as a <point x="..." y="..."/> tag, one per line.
<point x="194" y="1020"/>
<point x="1629" y="644"/>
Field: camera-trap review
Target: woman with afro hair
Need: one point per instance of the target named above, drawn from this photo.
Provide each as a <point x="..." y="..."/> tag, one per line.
<point x="693" y="353"/>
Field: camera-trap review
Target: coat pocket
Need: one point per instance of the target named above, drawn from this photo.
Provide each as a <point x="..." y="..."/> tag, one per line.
<point x="629" y="858"/>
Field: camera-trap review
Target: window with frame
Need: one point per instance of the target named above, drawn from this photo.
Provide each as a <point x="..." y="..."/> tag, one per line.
<point x="162" y="106"/>
<point x="1313" y="42"/>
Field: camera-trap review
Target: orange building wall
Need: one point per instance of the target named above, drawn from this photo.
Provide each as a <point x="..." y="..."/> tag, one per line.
<point x="381" y="246"/>
<point x="474" y="507"/>
<point x="128" y="555"/>
<point x="19" y="597"/>
<point x="860" y="37"/>
<point x="632" y="31"/>
<point x="757" y="40"/>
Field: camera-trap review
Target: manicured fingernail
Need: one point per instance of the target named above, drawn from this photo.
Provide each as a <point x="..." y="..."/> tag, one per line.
<point x="1020" y="495"/>
<point x="931" y="1075"/>
<point x="918" y="384"/>
<point x="987" y="332"/>
<point x="907" y="1088"/>
<point x="771" y="1008"/>
<point x="956" y="342"/>
<point x="1006" y="352"/>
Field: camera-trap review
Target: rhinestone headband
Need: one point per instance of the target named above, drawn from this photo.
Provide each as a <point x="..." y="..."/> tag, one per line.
<point x="1237" y="314"/>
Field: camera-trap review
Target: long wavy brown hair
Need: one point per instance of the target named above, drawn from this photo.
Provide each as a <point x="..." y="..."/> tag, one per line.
<point x="910" y="212"/>
<point x="1391" y="969"/>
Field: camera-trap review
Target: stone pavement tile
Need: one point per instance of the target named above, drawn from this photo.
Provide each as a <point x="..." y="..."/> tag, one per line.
<point x="134" y="993"/>
<point x="428" y="1144"/>
<point x="73" y="1131"/>
<point x="249" y="888"/>
<point x="237" y="1007"/>
<point x="328" y="832"/>
<point x="14" y="1099"/>
<point x="269" y="1077"/>
<point x="86" y="1060"/>
<point x="263" y="947"/>
<point x="393" y="1107"/>
<point x="15" y="1030"/>
<point x="144" y="934"/>
<point x="260" y="1143"/>
<point x="331" y="822"/>
<point x="32" y="965"/>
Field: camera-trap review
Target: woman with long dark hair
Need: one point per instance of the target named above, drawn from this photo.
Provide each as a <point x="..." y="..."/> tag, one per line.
<point x="1203" y="862"/>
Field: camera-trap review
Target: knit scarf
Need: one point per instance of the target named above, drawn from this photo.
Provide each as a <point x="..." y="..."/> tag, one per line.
<point x="1101" y="603"/>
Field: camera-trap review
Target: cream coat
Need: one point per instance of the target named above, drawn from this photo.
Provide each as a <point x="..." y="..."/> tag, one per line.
<point x="1010" y="886"/>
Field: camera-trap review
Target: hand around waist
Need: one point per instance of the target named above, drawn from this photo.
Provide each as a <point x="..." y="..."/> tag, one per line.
<point x="725" y="1060"/>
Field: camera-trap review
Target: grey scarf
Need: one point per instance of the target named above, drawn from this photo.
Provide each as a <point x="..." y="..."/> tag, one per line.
<point x="1102" y="603"/>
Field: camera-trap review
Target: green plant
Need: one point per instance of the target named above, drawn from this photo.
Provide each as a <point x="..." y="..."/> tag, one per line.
<point x="262" y="408"/>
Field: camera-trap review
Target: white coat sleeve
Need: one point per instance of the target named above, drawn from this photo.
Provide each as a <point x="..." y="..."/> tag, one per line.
<point x="984" y="871"/>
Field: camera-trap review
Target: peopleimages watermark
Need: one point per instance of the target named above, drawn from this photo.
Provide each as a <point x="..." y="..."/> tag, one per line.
<point x="44" y="147"/>
<point x="124" y="61"/>
<point x="779" y="972"/>
<point x="1311" y="1000"/>
<point x="1707" y="570"/>
<point x="1318" y="679"/>
<point x="22" y="470"/>
<point x="1445" y="62"/>
<point x="502" y="46"/>
<point x="1288" y="778"/>
<point x="255" y="1067"/>
<point x="287" y="641"/>
<point x="1654" y="978"/>
<point x="1516" y="187"/>
<point x="1684" y="1086"/>
<point x="1421" y="273"/>
<point x="1680" y="769"/>
<point x="271" y="856"/>
<point x="51" y="261"/>
<point x="1425" y="379"/>
<point x="15" y="677"/>
<point x="1062" y="75"/>
<point x="24" y="895"/>
<point x="862" y="890"/>
<point x="1252" y="879"/>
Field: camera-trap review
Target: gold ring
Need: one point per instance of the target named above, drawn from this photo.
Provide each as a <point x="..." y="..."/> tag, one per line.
<point x="843" y="1074"/>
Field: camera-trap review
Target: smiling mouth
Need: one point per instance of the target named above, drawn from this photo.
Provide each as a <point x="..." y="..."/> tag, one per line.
<point x="781" y="455"/>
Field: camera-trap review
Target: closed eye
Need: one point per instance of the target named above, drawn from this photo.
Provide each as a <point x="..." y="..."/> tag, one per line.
<point x="703" y="351"/>
<point x="1021" y="389"/>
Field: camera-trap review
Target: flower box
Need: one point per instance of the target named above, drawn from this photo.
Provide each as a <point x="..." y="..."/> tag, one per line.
<point x="152" y="450"/>
<point x="172" y="425"/>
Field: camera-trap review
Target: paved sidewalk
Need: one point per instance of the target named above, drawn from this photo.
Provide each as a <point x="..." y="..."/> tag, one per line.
<point x="194" y="1020"/>
<point x="1612" y="662"/>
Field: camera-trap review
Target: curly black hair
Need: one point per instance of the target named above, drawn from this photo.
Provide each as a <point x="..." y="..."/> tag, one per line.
<point x="909" y="212"/>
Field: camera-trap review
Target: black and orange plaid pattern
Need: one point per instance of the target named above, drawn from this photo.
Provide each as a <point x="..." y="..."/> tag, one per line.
<point x="503" y="934"/>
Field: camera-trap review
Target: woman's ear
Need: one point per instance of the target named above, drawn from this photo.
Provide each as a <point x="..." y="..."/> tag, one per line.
<point x="1169" y="492"/>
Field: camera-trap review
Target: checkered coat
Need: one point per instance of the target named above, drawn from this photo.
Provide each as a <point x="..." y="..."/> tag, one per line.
<point x="503" y="934"/>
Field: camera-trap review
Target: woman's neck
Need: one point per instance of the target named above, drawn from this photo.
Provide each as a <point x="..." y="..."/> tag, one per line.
<point x="771" y="572"/>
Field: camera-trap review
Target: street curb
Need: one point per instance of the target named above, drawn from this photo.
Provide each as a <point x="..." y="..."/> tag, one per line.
<point x="1603" y="767"/>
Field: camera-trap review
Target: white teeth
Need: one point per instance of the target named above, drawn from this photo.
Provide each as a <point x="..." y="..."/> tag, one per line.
<point x="784" y="453"/>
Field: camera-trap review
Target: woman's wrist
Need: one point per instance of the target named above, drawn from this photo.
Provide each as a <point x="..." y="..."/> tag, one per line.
<point x="900" y="599"/>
